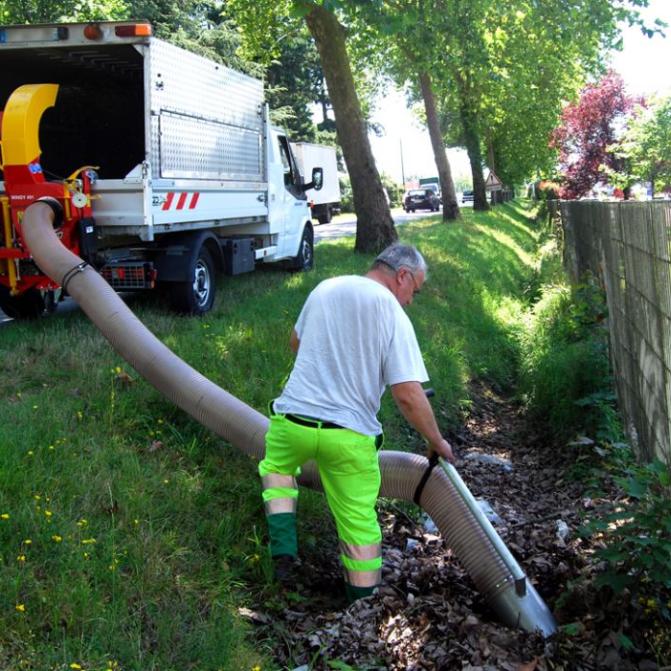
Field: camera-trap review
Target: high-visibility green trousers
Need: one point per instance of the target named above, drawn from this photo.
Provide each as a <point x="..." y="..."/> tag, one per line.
<point x="350" y="474"/>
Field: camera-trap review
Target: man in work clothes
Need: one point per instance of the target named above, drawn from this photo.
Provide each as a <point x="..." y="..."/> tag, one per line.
<point x="351" y="340"/>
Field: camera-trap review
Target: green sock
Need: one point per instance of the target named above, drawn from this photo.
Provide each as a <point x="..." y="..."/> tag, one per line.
<point x="353" y="593"/>
<point x="282" y="532"/>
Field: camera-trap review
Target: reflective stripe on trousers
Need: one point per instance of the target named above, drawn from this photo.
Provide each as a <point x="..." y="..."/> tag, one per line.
<point x="362" y="564"/>
<point x="280" y="493"/>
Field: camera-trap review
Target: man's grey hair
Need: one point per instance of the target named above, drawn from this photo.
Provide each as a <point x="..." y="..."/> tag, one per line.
<point x="398" y="256"/>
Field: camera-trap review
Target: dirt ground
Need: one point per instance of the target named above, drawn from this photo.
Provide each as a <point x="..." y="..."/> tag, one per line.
<point x="428" y="614"/>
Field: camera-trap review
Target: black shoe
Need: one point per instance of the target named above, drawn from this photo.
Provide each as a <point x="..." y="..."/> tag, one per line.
<point x="285" y="568"/>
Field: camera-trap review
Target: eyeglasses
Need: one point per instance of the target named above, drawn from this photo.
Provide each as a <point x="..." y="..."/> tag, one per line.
<point x="415" y="285"/>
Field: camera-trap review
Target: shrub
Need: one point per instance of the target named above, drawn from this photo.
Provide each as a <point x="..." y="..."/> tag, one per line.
<point x="565" y="367"/>
<point x="346" y="197"/>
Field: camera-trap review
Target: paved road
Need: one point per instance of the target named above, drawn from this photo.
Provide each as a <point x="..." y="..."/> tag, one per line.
<point x="344" y="227"/>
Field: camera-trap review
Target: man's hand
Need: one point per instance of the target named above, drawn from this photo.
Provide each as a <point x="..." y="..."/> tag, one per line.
<point x="443" y="449"/>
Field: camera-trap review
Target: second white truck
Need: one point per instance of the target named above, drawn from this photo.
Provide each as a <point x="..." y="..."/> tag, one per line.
<point x="325" y="202"/>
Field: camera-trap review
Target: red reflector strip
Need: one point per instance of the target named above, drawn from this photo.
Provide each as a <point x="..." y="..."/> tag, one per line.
<point x="181" y="201"/>
<point x="168" y="200"/>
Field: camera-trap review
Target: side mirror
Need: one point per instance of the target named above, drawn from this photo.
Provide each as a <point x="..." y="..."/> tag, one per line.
<point x="317" y="180"/>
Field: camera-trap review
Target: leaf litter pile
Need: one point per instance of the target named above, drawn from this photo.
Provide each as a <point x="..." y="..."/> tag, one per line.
<point x="428" y="614"/>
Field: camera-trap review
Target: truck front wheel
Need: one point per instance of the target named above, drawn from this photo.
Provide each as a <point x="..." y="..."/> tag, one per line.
<point x="304" y="260"/>
<point x="196" y="295"/>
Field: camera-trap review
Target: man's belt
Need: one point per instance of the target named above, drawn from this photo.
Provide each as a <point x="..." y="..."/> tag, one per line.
<point x="311" y="422"/>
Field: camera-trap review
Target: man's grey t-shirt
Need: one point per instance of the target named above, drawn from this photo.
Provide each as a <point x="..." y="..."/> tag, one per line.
<point x="355" y="339"/>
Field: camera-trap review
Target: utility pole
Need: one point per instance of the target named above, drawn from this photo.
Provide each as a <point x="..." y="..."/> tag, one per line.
<point x="400" y="141"/>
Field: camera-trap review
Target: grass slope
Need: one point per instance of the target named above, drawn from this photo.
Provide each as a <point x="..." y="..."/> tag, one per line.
<point x="129" y="535"/>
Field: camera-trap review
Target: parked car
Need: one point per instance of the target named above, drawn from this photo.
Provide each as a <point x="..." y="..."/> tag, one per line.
<point x="421" y="199"/>
<point x="467" y="196"/>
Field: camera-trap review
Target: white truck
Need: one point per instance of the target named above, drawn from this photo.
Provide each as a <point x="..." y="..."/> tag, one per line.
<point x="325" y="202"/>
<point x="186" y="175"/>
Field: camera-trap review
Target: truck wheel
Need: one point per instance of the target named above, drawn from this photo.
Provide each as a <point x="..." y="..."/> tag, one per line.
<point x="326" y="217"/>
<point x="196" y="296"/>
<point x="28" y="305"/>
<point x="304" y="260"/>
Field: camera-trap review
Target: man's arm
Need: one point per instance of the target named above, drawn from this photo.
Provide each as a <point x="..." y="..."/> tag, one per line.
<point x="415" y="407"/>
<point x="294" y="342"/>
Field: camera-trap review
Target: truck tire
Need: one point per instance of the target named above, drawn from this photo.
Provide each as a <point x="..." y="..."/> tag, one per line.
<point x="326" y="216"/>
<point x="28" y="305"/>
<point x="304" y="260"/>
<point x="196" y="296"/>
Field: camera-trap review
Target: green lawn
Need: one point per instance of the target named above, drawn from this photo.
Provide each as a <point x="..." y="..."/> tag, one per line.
<point x="129" y="535"/>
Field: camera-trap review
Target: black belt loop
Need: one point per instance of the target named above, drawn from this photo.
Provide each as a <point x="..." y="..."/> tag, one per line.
<point x="433" y="461"/>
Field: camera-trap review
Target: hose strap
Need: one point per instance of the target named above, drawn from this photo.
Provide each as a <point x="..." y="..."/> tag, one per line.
<point x="79" y="268"/>
<point x="433" y="461"/>
<point x="56" y="208"/>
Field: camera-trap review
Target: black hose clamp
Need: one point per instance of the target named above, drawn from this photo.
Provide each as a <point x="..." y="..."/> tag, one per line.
<point x="433" y="462"/>
<point x="79" y="268"/>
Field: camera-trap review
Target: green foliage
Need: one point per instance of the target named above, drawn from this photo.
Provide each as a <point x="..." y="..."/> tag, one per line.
<point x="394" y="190"/>
<point x="346" y="196"/>
<point x="50" y="11"/>
<point x="565" y="362"/>
<point x="645" y="147"/>
<point x="294" y="82"/>
<point x="635" y="532"/>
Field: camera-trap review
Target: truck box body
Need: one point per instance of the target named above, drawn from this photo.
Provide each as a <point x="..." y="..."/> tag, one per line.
<point x="309" y="156"/>
<point x="179" y="143"/>
<point x="197" y="125"/>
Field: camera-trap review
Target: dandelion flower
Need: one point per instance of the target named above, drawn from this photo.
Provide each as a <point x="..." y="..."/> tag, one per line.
<point x="27" y="541"/>
<point x="75" y="666"/>
<point x="20" y="607"/>
<point x="88" y="541"/>
<point x="56" y="538"/>
<point x="30" y="453"/>
<point x="48" y="513"/>
<point x="21" y="558"/>
<point x="4" y="516"/>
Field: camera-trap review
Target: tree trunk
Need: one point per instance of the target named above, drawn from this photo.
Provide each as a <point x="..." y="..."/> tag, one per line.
<point x="472" y="141"/>
<point x="490" y="155"/>
<point x="374" y="227"/>
<point x="450" y="206"/>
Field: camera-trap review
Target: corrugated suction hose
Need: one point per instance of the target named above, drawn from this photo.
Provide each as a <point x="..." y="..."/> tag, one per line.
<point x="494" y="572"/>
